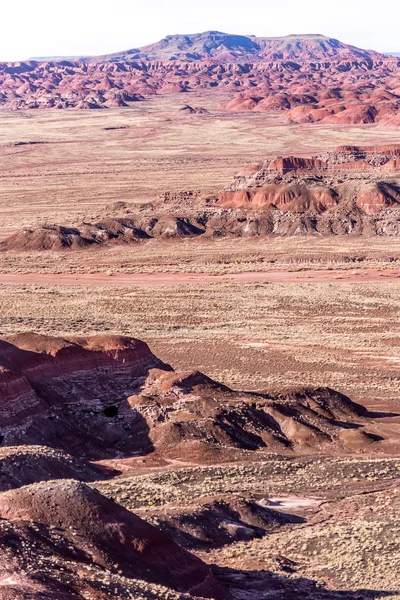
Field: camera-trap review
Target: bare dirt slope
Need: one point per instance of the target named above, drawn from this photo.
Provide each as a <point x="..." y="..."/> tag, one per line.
<point x="258" y="525"/>
<point x="87" y="396"/>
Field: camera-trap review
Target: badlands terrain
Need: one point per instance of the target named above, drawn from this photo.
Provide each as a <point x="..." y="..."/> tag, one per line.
<point x="200" y="322"/>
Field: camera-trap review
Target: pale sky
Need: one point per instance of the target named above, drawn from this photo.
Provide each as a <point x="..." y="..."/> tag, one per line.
<point x="84" y="27"/>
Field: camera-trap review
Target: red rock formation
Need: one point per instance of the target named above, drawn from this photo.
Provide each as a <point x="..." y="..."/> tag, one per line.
<point x="392" y="165"/>
<point x="268" y="74"/>
<point x="377" y="197"/>
<point x="38" y="374"/>
<point x="296" y="198"/>
<point x="106" y="535"/>
<point x="375" y="103"/>
<point x="92" y="394"/>
<point x="291" y="163"/>
<point x="286" y="183"/>
<point x="352" y="167"/>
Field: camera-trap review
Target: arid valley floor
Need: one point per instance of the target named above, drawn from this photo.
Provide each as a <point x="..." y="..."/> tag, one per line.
<point x="281" y="501"/>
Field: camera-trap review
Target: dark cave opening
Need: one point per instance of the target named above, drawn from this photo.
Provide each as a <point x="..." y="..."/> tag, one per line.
<point x="111" y="411"/>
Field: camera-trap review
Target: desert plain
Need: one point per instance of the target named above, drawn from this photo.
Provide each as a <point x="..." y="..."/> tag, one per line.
<point x="282" y="493"/>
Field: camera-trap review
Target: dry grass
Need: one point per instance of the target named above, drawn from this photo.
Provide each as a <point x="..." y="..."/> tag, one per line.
<point x="349" y="541"/>
<point x="81" y="167"/>
<point x="220" y="256"/>
<point x="253" y="336"/>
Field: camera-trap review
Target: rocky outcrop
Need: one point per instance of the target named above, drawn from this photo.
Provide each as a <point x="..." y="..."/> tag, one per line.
<point x="108" y="397"/>
<point x="61" y="392"/>
<point x="342" y="191"/>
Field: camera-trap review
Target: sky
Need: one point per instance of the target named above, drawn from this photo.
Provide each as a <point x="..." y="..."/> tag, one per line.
<point x="40" y="28"/>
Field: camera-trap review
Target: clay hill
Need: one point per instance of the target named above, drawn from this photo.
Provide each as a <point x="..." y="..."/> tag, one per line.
<point x="64" y="401"/>
<point x="123" y="230"/>
<point x="91" y="547"/>
<point x="108" y="397"/>
<point x="346" y="104"/>
<point x="352" y="190"/>
<point x="312" y="77"/>
<point x="220" y="522"/>
<point x="349" y="190"/>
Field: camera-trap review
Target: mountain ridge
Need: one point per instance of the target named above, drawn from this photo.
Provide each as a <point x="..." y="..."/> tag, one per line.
<point x="244" y="64"/>
<point x="224" y="47"/>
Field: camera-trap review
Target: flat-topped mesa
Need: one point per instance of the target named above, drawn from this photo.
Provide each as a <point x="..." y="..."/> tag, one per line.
<point x="386" y="150"/>
<point x="258" y="68"/>
<point x="374" y="156"/>
<point x="343" y="159"/>
<point x="281" y="166"/>
<point x="349" y="177"/>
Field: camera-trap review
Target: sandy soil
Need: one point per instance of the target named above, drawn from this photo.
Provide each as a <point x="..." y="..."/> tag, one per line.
<point x="248" y="335"/>
<point x="253" y="314"/>
<point x="312" y="276"/>
<point x="79" y="166"/>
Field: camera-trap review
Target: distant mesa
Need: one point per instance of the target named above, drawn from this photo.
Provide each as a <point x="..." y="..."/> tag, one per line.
<point x="223" y="47"/>
<point x="265" y="74"/>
